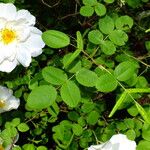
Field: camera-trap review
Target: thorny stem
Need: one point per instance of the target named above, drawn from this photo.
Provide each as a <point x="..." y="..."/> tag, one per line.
<point x="69" y="15"/>
<point x="97" y="141"/>
<point x="137" y="60"/>
<point x="50" y="5"/>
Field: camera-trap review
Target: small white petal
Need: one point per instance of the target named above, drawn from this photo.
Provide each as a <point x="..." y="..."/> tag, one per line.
<point x="12" y="103"/>
<point x="23" y="34"/>
<point x="23" y="56"/>
<point x="8" y="11"/>
<point x="24" y="14"/>
<point x="8" y="66"/>
<point x="7" y="100"/>
<point x="35" y="30"/>
<point x="7" y="51"/>
<point x="5" y="93"/>
<point x="117" y="142"/>
<point x="123" y="142"/>
<point x="96" y="147"/>
<point x="2" y="23"/>
<point x="35" y="44"/>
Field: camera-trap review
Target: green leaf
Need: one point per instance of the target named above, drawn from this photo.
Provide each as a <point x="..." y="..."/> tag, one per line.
<point x="79" y="41"/>
<point x="83" y="143"/>
<point x="41" y="97"/>
<point x="55" y="39"/>
<point x="133" y="111"/>
<point x="16" y="122"/>
<point x="147" y="45"/>
<point x="118" y="103"/>
<point x="68" y="60"/>
<point x="54" y="75"/>
<point x="28" y="147"/>
<point x="125" y="70"/>
<point x="16" y="148"/>
<point x="146" y="132"/>
<point x="86" y="77"/>
<point x="77" y="129"/>
<point x="82" y="121"/>
<point x="142" y="112"/>
<point x="87" y="107"/>
<point x="100" y="9"/>
<point x="108" y="47"/>
<point x="90" y="2"/>
<point x="86" y="11"/>
<point x="121" y="126"/>
<point x="145" y="1"/>
<point x="73" y="116"/>
<point x="92" y="118"/>
<point x="70" y="93"/>
<point x="70" y="64"/>
<point x="143" y="145"/>
<point x="131" y="134"/>
<point x="133" y="3"/>
<point x="23" y="127"/>
<point x="106" y="83"/>
<point x="109" y="1"/>
<point x="95" y="37"/>
<point x="124" y="22"/>
<point x="118" y="37"/>
<point x="106" y="25"/>
<point x="8" y="1"/>
<point x="41" y="148"/>
<point x="129" y="123"/>
<point x="86" y="63"/>
<point x="141" y="82"/>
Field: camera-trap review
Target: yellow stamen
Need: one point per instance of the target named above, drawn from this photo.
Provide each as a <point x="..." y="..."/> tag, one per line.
<point x="2" y="104"/>
<point x="1" y="147"/>
<point x="8" y="36"/>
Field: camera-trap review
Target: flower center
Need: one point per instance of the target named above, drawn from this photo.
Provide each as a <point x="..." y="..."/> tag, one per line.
<point x="1" y="147"/>
<point x="2" y="104"/>
<point x="8" y="36"/>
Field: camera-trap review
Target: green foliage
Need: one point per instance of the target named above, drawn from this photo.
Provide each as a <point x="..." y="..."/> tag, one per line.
<point x="118" y="37"/>
<point x="147" y="44"/>
<point x="90" y="6"/>
<point x="89" y="80"/>
<point x="23" y="127"/>
<point x="28" y="147"/>
<point x="54" y="75"/>
<point x="55" y="39"/>
<point x="108" y="86"/>
<point x="90" y="2"/>
<point x="143" y="145"/>
<point x="108" y="47"/>
<point x="92" y="118"/>
<point x="124" y="71"/>
<point x="124" y="22"/>
<point x="38" y="101"/>
<point x="86" y="11"/>
<point x="95" y="36"/>
<point x="106" y="25"/>
<point x="96" y="54"/>
<point x="8" y="1"/>
<point x="138" y="106"/>
<point x="71" y="57"/>
<point x="100" y="9"/>
<point x="109" y="1"/>
<point x="70" y="93"/>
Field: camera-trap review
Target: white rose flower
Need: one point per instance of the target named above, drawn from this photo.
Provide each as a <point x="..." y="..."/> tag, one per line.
<point x="19" y="39"/>
<point x="117" y="142"/>
<point x="7" y="100"/>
